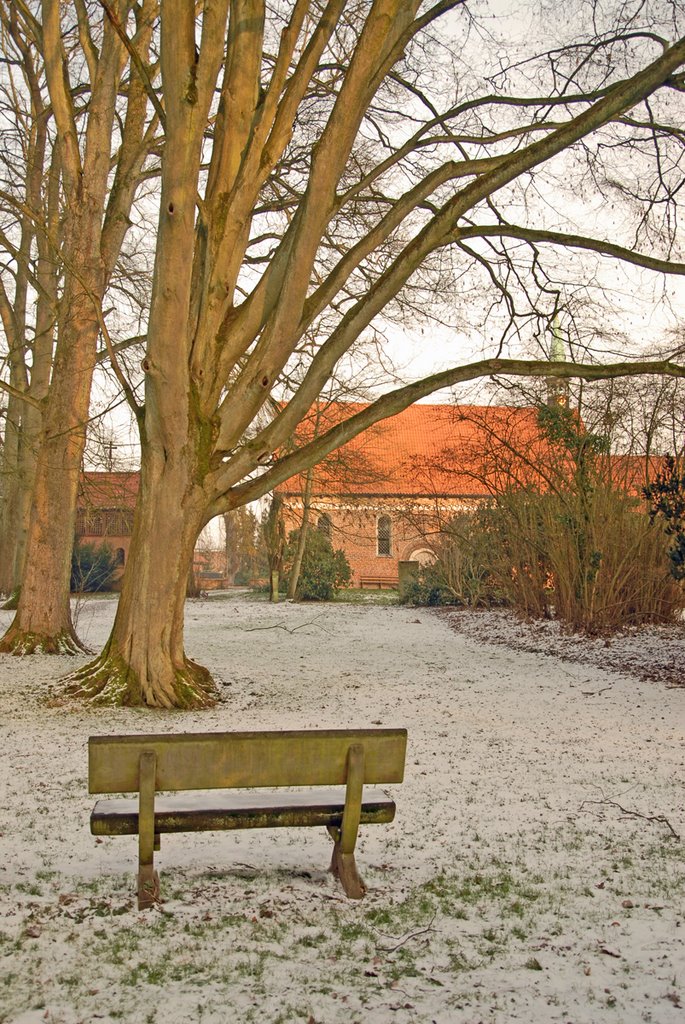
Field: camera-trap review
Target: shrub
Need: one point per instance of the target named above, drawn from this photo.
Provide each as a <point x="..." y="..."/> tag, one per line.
<point x="93" y="567"/>
<point x="667" y="502"/>
<point x="570" y="544"/>
<point x="578" y="548"/>
<point x="591" y="559"/>
<point x="460" y="574"/>
<point x="324" y="571"/>
<point x="430" y="588"/>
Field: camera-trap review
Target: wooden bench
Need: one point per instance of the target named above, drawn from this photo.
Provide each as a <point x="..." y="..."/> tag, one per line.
<point x="392" y="582"/>
<point x="173" y="763"/>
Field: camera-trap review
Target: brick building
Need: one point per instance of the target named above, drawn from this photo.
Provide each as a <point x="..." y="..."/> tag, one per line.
<point x="104" y="511"/>
<point x="104" y="515"/>
<point x="385" y="494"/>
<point x="383" y="497"/>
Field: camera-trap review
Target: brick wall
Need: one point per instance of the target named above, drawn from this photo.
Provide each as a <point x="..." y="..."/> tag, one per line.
<point x="354" y="528"/>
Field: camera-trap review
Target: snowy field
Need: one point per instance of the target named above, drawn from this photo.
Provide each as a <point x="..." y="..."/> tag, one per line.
<point x="532" y="872"/>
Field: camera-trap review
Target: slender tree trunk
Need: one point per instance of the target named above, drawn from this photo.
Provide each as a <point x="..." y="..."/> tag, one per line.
<point x="19" y="470"/>
<point x="192" y="584"/>
<point x="9" y="497"/>
<point x="22" y="441"/>
<point x="32" y="418"/>
<point x="274" y="586"/>
<point x="18" y="512"/>
<point x="302" y="539"/>
<point x="144" y="662"/>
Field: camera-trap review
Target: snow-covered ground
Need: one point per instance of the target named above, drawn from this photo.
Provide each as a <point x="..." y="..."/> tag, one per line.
<point x="532" y="873"/>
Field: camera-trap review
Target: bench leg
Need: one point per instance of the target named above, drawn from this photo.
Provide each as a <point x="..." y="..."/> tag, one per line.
<point x="148" y="886"/>
<point x="148" y="839"/>
<point x="344" y="867"/>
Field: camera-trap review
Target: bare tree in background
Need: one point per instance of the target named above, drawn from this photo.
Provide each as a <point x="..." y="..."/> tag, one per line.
<point x="80" y="69"/>
<point x="240" y="539"/>
<point x="30" y="175"/>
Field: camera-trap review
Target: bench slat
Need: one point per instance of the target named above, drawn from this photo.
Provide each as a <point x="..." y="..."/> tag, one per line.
<point x="218" y="812"/>
<point x="241" y="760"/>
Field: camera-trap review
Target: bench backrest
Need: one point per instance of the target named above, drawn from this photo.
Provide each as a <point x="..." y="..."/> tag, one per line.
<point x="233" y="760"/>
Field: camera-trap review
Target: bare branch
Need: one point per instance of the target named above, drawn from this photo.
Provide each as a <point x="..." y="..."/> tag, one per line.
<point x="570" y="241"/>
<point x="137" y="62"/>
<point x="23" y="396"/>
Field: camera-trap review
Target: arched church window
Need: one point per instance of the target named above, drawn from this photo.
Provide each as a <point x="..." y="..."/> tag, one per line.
<point x="384" y="535"/>
<point x="324" y="525"/>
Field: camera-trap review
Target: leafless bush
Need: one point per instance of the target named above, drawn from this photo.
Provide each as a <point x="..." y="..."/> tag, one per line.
<point x="590" y="559"/>
<point x="463" y="563"/>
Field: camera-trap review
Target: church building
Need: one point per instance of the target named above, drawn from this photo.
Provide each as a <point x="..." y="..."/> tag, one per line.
<point x="385" y="494"/>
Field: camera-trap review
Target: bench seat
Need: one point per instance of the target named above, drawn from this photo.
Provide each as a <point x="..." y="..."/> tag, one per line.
<point x="235" y="810"/>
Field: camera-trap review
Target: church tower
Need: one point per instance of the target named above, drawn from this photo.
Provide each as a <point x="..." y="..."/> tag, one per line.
<point x="557" y="387"/>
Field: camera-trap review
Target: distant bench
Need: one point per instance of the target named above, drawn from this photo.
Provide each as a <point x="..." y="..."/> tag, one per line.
<point x="391" y="582"/>
<point x="241" y="760"/>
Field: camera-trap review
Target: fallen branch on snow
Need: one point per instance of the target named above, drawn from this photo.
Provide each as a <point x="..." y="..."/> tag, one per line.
<point x="282" y="625"/>
<point x="660" y="819"/>
<point x="407" y="937"/>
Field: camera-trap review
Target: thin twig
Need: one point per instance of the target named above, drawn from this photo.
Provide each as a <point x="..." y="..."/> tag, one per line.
<point x="282" y="625"/>
<point x="660" y="819"/>
<point x="407" y="937"/>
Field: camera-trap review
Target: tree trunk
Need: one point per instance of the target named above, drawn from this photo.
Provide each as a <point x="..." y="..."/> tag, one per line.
<point x="43" y="620"/>
<point x="13" y="549"/>
<point x="80" y="176"/>
<point x="192" y="584"/>
<point x="15" y="527"/>
<point x="143" y="662"/>
<point x="9" y="497"/>
<point x="302" y="538"/>
<point x="274" y="584"/>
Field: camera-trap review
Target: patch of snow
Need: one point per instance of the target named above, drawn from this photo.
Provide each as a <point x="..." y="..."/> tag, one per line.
<point x="510" y="887"/>
<point x="649" y="652"/>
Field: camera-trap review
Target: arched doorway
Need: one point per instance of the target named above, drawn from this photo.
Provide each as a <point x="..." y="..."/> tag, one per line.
<point x="424" y="556"/>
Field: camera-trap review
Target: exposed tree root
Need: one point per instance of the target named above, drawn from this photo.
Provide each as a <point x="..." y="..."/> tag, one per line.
<point x="18" y="641"/>
<point x="110" y="681"/>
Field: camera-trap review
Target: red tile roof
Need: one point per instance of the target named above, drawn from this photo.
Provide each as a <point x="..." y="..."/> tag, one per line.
<point x="424" y="450"/>
<point x="427" y="450"/>
<point x="108" y="490"/>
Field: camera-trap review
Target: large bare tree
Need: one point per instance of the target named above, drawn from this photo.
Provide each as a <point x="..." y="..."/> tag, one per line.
<point x="77" y="67"/>
<point x="315" y="167"/>
<point x="28" y="288"/>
